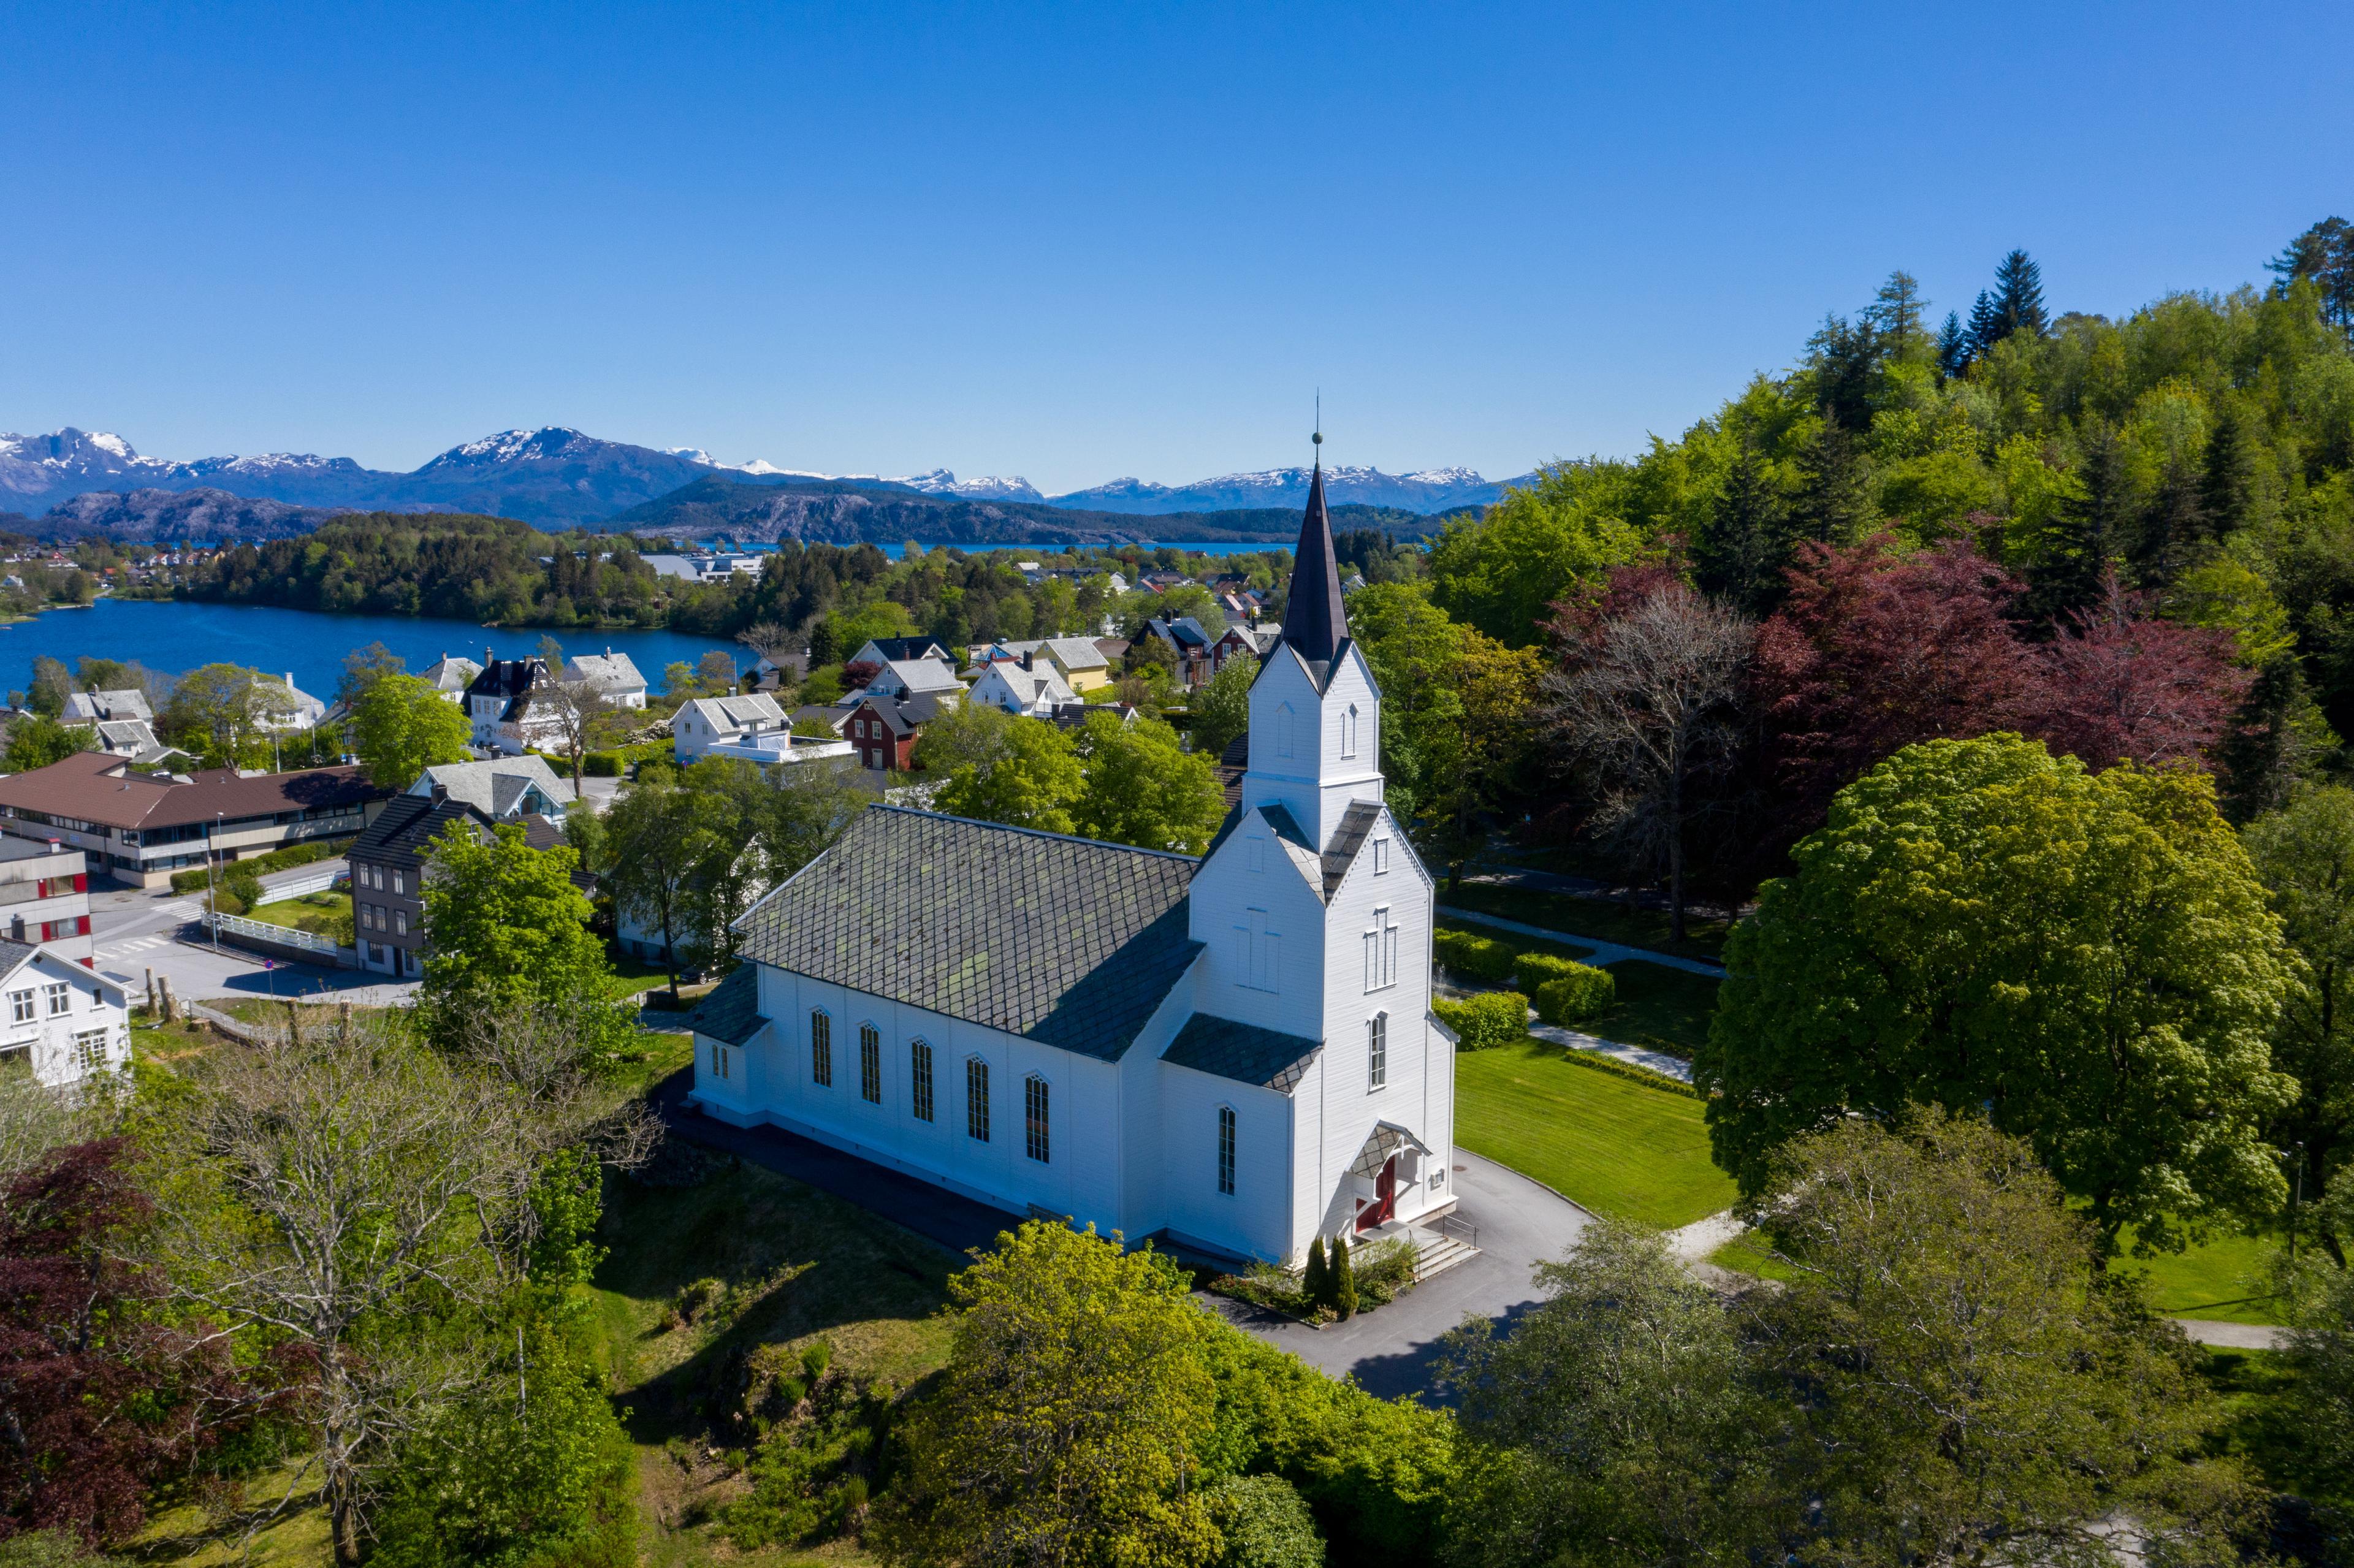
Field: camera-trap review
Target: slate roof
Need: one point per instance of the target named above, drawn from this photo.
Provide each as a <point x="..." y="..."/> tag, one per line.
<point x="1243" y="1051"/>
<point x="1385" y="1139"/>
<point x="1232" y="763"/>
<point x="1314" y="622"/>
<point x="739" y="712"/>
<point x="1348" y="838"/>
<point x="612" y="671"/>
<point x="897" y="650"/>
<point x="13" y="954"/>
<point x="496" y="784"/>
<point x="407" y="825"/>
<point x="1070" y="942"/>
<point x="731" y="1013"/>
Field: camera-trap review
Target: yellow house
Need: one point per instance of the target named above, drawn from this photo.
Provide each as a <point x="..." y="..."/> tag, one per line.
<point x="1077" y="660"/>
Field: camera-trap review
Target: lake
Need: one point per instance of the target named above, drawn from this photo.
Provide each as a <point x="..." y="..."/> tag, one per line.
<point x="177" y="635"/>
<point x="1198" y="547"/>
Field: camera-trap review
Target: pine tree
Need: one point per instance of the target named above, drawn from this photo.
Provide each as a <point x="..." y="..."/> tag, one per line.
<point x="2276" y="738"/>
<point x="2324" y="253"/>
<point x="1745" y="542"/>
<point x="2019" y="295"/>
<point x="2080" y="545"/>
<point x="1316" y="1279"/>
<point x="1845" y="359"/>
<point x="1986" y="325"/>
<point x="2228" y="476"/>
<point x="2171" y="526"/>
<point x="1834" y="502"/>
<point x="1344" y="1280"/>
<point x="1953" y="346"/>
<point x="1898" y="312"/>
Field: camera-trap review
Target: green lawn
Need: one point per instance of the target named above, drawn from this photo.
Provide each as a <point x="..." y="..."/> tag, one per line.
<point x="322" y="914"/>
<point x="1615" y="1146"/>
<point x="2223" y="1279"/>
<point x="1628" y="923"/>
<point x="1659" y="1008"/>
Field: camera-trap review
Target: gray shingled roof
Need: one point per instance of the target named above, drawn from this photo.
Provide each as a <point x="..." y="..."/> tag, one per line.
<point x="1243" y="1051"/>
<point x="1348" y="838"/>
<point x="731" y="1013"/>
<point x="1066" y="941"/>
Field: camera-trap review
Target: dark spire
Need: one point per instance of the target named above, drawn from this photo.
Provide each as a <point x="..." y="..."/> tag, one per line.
<point x="1314" y="622"/>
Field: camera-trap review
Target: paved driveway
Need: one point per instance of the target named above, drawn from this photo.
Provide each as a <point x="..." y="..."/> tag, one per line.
<point x="1520" y="1222"/>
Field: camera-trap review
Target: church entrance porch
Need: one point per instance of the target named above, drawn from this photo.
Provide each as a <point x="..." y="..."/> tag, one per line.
<point x="1387" y="1175"/>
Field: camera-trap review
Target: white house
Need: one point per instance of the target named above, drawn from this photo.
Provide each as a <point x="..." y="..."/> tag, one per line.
<point x="906" y="678"/>
<point x="61" y="1022"/>
<point x="1235" y="1053"/>
<point x="707" y="722"/>
<point x="281" y="707"/>
<point x="128" y="704"/>
<point x="450" y="677"/>
<point x="504" y="789"/>
<point x="499" y="701"/>
<point x="613" y="675"/>
<point x="1034" y="693"/>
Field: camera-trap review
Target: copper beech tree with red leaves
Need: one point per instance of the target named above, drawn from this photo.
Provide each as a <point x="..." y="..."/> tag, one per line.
<point x="100" y="1397"/>
<point x="1874" y="651"/>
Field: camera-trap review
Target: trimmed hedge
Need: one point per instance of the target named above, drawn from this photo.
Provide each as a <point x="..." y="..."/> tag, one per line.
<point x="1475" y="957"/>
<point x="1581" y="993"/>
<point x="1628" y="1070"/>
<point x="1482" y="1022"/>
<point x="1536" y="967"/>
<point x="285" y="859"/>
<point x="601" y="764"/>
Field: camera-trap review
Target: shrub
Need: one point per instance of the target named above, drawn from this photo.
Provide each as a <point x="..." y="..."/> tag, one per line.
<point x="1383" y="1271"/>
<point x="227" y="903"/>
<point x="816" y="1358"/>
<point x="1475" y="957"/>
<point x="1584" y="992"/>
<point x="1265" y="1523"/>
<point x="1531" y="970"/>
<point x="1485" y="1022"/>
<point x="243" y="886"/>
<point x="601" y="764"/>
<point x="1344" y="1280"/>
<point x="1315" y="1277"/>
<point x="276" y="859"/>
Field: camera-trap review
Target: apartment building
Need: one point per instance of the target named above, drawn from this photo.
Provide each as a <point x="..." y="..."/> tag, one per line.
<point x="45" y="897"/>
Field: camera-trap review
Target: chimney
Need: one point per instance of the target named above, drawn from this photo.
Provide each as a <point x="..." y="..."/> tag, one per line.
<point x="441" y="792"/>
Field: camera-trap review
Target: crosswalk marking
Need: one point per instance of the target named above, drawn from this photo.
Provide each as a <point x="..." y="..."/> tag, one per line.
<point x="124" y="949"/>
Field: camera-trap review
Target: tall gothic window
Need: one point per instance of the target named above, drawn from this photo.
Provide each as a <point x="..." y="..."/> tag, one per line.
<point x="870" y="1065"/>
<point x="919" y="1078"/>
<point x="1227" y="1150"/>
<point x="1377" y="1050"/>
<point x="821" y="1049"/>
<point x="1258" y="953"/>
<point x="1283" y="729"/>
<point x="1034" y="1118"/>
<point x="1349" y="731"/>
<point x="976" y="1099"/>
<point x="1381" y="951"/>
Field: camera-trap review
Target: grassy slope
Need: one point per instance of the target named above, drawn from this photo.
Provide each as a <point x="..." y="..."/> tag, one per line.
<point x="1612" y="1145"/>
<point x="318" y="912"/>
<point x="1659" y="1008"/>
<point x="800" y="1267"/>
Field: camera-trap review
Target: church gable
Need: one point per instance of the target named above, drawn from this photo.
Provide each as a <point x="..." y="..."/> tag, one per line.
<point x="1068" y="942"/>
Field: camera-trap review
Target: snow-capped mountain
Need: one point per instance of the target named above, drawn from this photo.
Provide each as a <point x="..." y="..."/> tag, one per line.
<point x="556" y="476"/>
<point x="1425" y="491"/>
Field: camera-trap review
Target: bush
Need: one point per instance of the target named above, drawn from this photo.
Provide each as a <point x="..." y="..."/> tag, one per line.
<point x="243" y="886"/>
<point x="227" y="903"/>
<point x="261" y="864"/>
<point x="1484" y="1021"/>
<point x="1584" y="992"/>
<point x="1475" y="957"/>
<point x="1264" y="1522"/>
<point x="601" y="764"/>
<point x="1531" y="970"/>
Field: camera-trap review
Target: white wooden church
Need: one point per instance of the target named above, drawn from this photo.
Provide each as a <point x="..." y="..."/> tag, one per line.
<point x="1234" y="1053"/>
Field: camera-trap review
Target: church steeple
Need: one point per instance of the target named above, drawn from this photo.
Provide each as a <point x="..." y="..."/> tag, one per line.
<point x="1314" y="622"/>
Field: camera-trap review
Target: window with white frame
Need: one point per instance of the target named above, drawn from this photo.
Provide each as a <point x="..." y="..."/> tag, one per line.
<point x="1381" y="857"/>
<point x="1033" y="1118"/>
<point x="400" y="922"/>
<point x="1381" y="951"/>
<point x="61" y="995"/>
<point x="870" y="1065"/>
<point x="720" y="1061"/>
<point x="1377" y="1050"/>
<point x="919" y="1078"/>
<point x="20" y="1006"/>
<point x="976" y="1099"/>
<point x="89" y="1049"/>
<point x="820" y="1049"/>
<point x="15" y="1059"/>
<point x="399" y="881"/>
<point x="1227" y="1150"/>
<point x="1349" y="731"/>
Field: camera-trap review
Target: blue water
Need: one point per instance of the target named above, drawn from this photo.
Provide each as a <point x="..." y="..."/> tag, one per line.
<point x="176" y="635"/>
<point x="1211" y="547"/>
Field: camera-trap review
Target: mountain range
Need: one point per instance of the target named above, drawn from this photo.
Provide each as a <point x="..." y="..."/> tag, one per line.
<point x="555" y="476"/>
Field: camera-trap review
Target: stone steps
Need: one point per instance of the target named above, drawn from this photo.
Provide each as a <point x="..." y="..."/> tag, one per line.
<point x="1436" y="1253"/>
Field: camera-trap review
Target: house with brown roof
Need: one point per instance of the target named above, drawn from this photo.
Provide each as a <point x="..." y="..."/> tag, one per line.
<point x="139" y="828"/>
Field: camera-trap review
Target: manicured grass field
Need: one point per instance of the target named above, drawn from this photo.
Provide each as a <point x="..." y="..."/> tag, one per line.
<point x="1659" y="1008"/>
<point x="326" y="914"/>
<point x="1624" y="923"/>
<point x="1614" y="1145"/>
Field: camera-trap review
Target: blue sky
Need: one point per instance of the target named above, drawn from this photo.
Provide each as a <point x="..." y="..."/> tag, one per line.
<point x="1079" y="242"/>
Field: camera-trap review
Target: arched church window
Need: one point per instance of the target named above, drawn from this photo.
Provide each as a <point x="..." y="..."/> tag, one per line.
<point x="920" y="1075"/>
<point x="1283" y="729"/>
<point x="820" y="1048"/>
<point x="1377" y="1050"/>
<point x="1227" y="1150"/>
<point x="1033" y="1118"/>
<point x="1349" y="731"/>
<point x="976" y="1099"/>
<point x="870" y="1065"/>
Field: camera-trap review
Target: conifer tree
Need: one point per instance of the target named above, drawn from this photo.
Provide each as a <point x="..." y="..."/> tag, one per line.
<point x="2324" y="253"/>
<point x="1986" y="325"/>
<point x="1745" y="542"/>
<point x="2080" y="545"/>
<point x="1953" y="346"/>
<point x="1898" y="312"/>
<point x="1344" y="1280"/>
<point x="1834" y="502"/>
<point x="2171" y="526"/>
<point x="2228" y="475"/>
<point x="2018" y="296"/>
<point x="1316" y="1279"/>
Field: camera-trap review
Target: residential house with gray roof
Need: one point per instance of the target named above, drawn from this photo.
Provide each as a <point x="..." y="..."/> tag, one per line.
<point x="1234" y="1053"/>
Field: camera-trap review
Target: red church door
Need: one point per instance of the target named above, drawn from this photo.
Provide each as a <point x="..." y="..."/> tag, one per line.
<point x="1383" y="1207"/>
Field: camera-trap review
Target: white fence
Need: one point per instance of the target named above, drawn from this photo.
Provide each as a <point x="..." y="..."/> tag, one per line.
<point x="295" y="887"/>
<point x="234" y="926"/>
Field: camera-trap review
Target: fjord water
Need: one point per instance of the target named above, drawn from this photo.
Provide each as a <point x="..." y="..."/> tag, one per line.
<point x="177" y="635"/>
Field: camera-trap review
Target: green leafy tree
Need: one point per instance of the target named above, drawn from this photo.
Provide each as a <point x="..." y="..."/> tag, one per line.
<point x="36" y="741"/>
<point x="215" y="711"/>
<point x="1953" y="1384"/>
<point x="1616" y="1422"/>
<point x="401" y="726"/>
<point x="2305" y="852"/>
<point x="2089" y="957"/>
<point x="1263" y="1523"/>
<point x="1139" y="788"/>
<point x="363" y="667"/>
<point x="506" y="930"/>
<point x="52" y="684"/>
<point x="1065" y="1425"/>
<point x="1316" y="1276"/>
<point x="1504" y="572"/>
<point x="2095" y="524"/>
<point x="1001" y="769"/>
<point x="663" y="834"/>
<point x="1344" y="1280"/>
<point x="1221" y="708"/>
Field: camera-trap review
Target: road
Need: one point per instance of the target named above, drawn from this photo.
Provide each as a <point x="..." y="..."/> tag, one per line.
<point x="134" y="930"/>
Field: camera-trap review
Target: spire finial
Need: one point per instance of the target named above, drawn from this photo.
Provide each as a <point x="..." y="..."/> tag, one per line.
<point x="1318" y="439"/>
